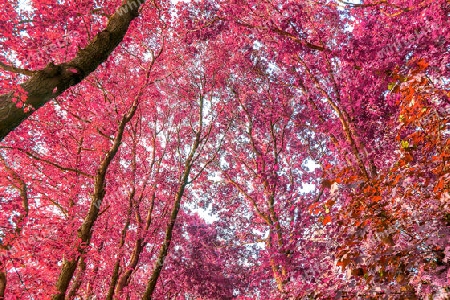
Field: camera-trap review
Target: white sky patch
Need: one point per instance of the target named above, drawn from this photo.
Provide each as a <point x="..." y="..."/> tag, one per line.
<point x="311" y="165"/>
<point x="307" y="187"/>
<point x="25" y="5"/>
<point x="205" y="213"/>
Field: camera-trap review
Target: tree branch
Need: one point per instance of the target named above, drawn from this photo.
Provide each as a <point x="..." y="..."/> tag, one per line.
<point x="53" y="80"/>
<point x="16" y="70"/>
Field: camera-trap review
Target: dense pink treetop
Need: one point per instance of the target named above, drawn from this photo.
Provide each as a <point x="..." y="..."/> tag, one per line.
<point x="224" y="149"/>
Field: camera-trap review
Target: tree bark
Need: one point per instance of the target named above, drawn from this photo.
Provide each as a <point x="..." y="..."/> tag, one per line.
<point x="53" y="80"/>
<point x="115" y="275"/>
<point x="78" y="279"/>
<point x="22" y="187"/>
<point x="184" y="181"/>
<point x="122" y="282"/>
<point x="151" y="285"/>
<point x="3" y="281"/>
<point x="85" y="231"/>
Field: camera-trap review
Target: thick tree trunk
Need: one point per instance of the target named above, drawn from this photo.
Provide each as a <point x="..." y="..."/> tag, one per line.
<point x="53" y="80"/>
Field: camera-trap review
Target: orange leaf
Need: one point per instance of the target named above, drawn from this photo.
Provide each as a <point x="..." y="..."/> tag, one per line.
<point x="376" y="198"/>
<point x="326" y="220"/>
<point x="312" y="206"/>
<point x="422" y="64"/>
<point x="440" y="185"/>
<point x="343" y="263"/>
<point x="397" y="179"/>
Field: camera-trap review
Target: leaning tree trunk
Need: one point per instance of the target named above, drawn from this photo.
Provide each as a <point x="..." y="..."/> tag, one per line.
<point x="53" y="80"/>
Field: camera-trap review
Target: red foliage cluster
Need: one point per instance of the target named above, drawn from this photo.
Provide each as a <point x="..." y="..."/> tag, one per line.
<point x="224" y="149"/>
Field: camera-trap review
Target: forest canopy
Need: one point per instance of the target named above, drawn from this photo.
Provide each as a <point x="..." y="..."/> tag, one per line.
<point x="212" y="149"/>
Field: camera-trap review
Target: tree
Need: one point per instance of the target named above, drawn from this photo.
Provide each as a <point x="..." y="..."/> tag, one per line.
<point x="314" y="134"/>
<point x="43" y="84"/>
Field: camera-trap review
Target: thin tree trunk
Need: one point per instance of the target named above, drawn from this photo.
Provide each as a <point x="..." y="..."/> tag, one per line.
<point x="138" y="247"/>
<point x="134" y="259"/>
<point x="3" y="281"/>
<point x="151" y="284"/>
<point x="349" y="132"/>
<point x="78" y="280"/>
<point x="22" y="187"/>
<point x="114" y="279"/>
<point x="132" y="264"/>
<point x="115" y="275"/>
<point x="85" y="230"/>
<point x="140" y="243"/>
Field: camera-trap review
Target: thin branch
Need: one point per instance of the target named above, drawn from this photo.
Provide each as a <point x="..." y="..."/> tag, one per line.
<point x="16" y="70"/>
<point x="36" y="157"/>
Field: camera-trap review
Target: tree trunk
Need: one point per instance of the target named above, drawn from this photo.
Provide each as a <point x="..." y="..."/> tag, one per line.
<point x="85" y="230"/>
<point x="53" y="80"/>
<point x="184" y="180"/>
<point x="151" y="285"/>
<point x="3" y="281"/>
<point x="138" y="247"/>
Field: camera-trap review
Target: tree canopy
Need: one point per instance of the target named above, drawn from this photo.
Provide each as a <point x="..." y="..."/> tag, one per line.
<point x="224" y="149"/>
